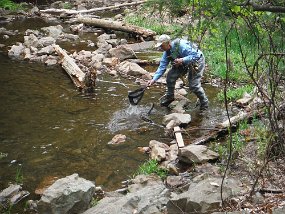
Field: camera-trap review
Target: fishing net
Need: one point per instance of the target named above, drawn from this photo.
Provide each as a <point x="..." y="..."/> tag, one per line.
<point x="136" y="96"/>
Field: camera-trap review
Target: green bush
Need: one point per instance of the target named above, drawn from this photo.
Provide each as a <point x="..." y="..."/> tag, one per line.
<point x="151" y="167"/>
<point x="10" y="5"/>
<point x="235" y="93"/>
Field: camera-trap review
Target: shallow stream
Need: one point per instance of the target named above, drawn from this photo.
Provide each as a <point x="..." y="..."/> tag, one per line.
<point x="49" y="129"/>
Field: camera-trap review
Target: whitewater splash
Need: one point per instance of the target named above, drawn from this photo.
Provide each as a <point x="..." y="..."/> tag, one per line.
<point x="129" y="118"/>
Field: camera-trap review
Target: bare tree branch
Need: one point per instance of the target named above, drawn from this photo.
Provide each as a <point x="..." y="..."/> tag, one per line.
<point x="265" y="7"/>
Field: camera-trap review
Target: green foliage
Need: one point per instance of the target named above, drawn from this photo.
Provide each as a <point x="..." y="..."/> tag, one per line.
<point x="173" y="8"/>
<point x="152" y="167"/>
<point x="67" y="5"/>
<point x="238" y="143"/>
<point x="235" y="93"/>
<point x="19" y="175"/>
<point x="94" y="202"/>
<point x="262" y="136"/>
<point x="10" y="5"/>
<point x="152" y="23"/>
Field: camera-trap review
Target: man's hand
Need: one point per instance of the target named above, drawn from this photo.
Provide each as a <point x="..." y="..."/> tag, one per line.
<point x="178" y="61"/>
<point x="150" y="82"/>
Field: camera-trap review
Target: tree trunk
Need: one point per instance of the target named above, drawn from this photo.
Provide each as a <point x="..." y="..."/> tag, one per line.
<point x="79" y="78"/>
<point x="119" y="26"/>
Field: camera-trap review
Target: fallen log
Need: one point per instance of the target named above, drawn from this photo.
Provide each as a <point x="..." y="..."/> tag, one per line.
<point x="223" y="127"/>
<point x="80" y="79"/>
<point x="66" y="11"/>
<point x="118" y="26"/>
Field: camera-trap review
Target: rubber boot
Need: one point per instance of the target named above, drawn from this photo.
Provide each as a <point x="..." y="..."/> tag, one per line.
<point x="166" y="100"/>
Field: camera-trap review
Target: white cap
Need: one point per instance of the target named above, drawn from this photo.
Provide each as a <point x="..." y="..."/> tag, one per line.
<point x="162" y="39"/>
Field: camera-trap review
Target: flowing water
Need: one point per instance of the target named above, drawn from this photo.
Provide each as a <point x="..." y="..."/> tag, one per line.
<point x="48" y="128"/>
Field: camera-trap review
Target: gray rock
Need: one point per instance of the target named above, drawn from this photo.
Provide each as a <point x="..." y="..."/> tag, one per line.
<point x="147" y="200"/>
<point x="203" y="197"/>
<point x="132" y="69"/>
<point x="123" y="52"/>
<point x="53" y="31"/>
<point x="196" y="154"/>
<point x="179" y="118"/>
<point x="31" y="41"/>
<point x="17" y="51"/>
<point x="46" y="41"/>
<point x="71" y="194"/>
<point x="280" y="210"/>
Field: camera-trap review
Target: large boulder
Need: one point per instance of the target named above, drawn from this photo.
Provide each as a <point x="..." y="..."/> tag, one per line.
<point x="203" y="197"/>
<point x="122" y="52"/>
<point x="71" y="194"/>
<point x="196" y="154"/>
<point x="132" y="69"/>
<point x="148" y="197"/>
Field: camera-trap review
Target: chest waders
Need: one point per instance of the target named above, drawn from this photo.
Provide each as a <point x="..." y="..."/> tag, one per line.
<point x="194" y="70"/>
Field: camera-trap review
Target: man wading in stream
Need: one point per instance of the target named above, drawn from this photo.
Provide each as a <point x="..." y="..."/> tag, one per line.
<point x="185" y="58"/>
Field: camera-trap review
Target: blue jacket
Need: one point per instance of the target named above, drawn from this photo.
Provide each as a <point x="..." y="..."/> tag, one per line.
<point x="179" y="49"/>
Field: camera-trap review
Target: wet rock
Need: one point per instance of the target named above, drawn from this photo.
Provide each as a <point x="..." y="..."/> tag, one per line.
<point x="111" y="62"/>
<point x="117" y="139"/>
<point x="17" y="51"/>
<point x="103" y="48"/>
<point x="123" y="52"/>
<point x="27" y="53"/>
<point x="141" y="46"/>
<point x="53" y="31"/>
<point x="12" y="195"/>
<point x="104" y="37"/>
<point x="51" y="60"/>
<point x="34" y="10"/>
<point x="179" y="106"/>
<point x="76" y="28"/>
<point x="113" y="42"/>
<point x="29" y="32"/>
<point x="44" y="184"/>
<point x="7" y="32"/>
<point x="132" y="69"/>
<point x="71" y="194"/>
<point x="68" y="37"/>
<point x="48" y="50"/>
<point x="31" y="41"/>
<point x="46" y="41"/>
<point x="178" y="118"/>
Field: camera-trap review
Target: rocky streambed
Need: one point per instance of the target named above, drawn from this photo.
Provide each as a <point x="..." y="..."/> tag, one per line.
<point x="194" y="183"/>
